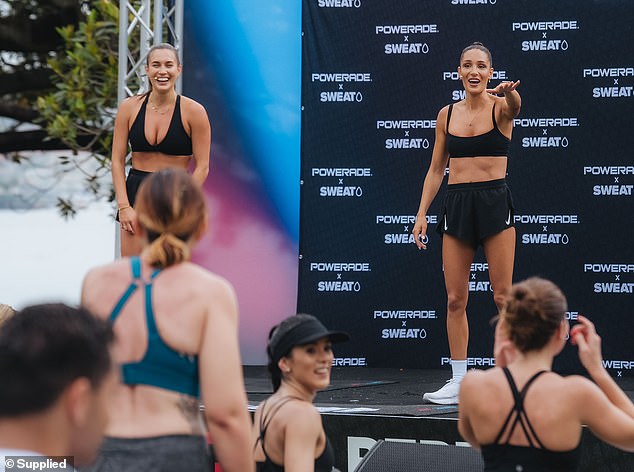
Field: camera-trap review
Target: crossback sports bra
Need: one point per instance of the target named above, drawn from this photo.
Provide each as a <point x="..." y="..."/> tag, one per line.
<point x="491" y="143"/>
<point x="175" y="143"/>
<point x="324" y="463"/>
<point x="501" y="457"/>
<point x="161" y="366"/>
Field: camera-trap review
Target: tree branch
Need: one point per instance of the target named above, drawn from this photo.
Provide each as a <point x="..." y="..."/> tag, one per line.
<point x="25" y="81"/>
<point x="18" y="112"/>
<point x="35" y="140"/>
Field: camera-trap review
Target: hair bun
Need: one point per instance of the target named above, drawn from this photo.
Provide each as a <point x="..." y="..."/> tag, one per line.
<point x="533" y="312"/>
<point x="521" y="293"/>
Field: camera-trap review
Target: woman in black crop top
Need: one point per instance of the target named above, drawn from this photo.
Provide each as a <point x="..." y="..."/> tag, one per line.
<point x="472" y="137"/>
<point x="522" y="415"/>
<point x="288" y="435"/>
<point x="164" y="130"/>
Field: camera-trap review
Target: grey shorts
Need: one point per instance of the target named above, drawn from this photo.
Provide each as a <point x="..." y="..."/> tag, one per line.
<point x="476" y="210"/>
<point x="156" y="454"/>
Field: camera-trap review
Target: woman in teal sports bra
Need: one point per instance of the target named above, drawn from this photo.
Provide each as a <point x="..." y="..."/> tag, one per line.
<point x="287" y="433"/>
<point x="163" y="130"/>
<point x="521" y="414"/>
<point x="176" y="328"/>
<point x="472" y="138"/>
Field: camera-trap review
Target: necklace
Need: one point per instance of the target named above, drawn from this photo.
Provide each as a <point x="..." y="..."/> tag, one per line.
<point x="472" y="115"/>
<point x="158" y="110"/>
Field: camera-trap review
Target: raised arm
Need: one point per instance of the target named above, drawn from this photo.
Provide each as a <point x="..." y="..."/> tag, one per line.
<point x="512" y="100"/>
<point x="433" y="179"/>
<point x="584" y="335"/>
<point x="609" y="412"/>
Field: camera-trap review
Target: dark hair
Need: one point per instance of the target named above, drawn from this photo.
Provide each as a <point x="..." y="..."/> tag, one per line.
<point x="43" y="349"/>
<point x="156" y="47"/>
<point x="480" y="47"/>
<point x="273" y="368"/>
<point x="297" y="330"/>
<point x="533" y="311"/>
<point x="171" y="209"/>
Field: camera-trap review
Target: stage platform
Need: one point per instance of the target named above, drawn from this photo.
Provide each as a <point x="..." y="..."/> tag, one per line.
<point x="363" y="405"/>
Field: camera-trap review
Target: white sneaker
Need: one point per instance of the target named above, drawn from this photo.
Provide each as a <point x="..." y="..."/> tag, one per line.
<point x="446" y="395"/>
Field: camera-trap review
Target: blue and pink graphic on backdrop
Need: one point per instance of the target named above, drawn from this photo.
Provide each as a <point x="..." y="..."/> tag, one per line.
<point x="242" y="60"/>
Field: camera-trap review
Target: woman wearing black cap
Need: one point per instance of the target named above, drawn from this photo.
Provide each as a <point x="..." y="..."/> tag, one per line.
<point x="288" y="432"/>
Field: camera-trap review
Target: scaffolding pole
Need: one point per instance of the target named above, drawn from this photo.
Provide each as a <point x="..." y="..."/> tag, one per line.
<point x="143" y="24"/>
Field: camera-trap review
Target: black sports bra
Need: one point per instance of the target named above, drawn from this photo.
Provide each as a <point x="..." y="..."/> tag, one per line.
<point x="175" y="143"/>
<point x="502" y="456"/>
<point x="324" y="463"/>
<point x="491" y="143"/>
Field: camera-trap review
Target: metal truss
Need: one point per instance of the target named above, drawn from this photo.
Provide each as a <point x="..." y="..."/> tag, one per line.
<point x="143" y="24"/>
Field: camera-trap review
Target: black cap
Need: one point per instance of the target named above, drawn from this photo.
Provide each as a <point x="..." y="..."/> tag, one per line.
<point x="299" y="330"/>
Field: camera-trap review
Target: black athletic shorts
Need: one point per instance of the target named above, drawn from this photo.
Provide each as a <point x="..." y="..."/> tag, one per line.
<point x="132" y="184"/>
<point x="476" y="210"/>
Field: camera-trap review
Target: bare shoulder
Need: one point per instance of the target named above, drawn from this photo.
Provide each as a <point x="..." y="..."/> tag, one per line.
<point x="580" y="386"/>
<point x="482" y="376"/>
<point x="101" y="281"/>
<point x="130" y="104"/>
<point x="207" y="286"/>
<point x="481" y="382"/>
<point x="441" y="119"/>
<point x="112" y="269"/>
<point x="442" y="113"/>
<point x="192" y="106"/>
<point x="206" y="277"/>
<point x="302" y="411"/>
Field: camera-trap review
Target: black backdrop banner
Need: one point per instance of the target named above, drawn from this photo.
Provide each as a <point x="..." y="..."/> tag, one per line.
<point x="374" y="76"/>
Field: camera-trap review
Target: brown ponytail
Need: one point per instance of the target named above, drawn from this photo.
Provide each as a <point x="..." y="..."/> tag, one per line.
<point x="171" y="210"/>
<point x="533" y="312"/>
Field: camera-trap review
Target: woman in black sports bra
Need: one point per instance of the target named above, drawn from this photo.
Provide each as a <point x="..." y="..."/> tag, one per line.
<point x="523" y="416"/>
<point x="288" y="435"/>
<point x="473" y="138"/>
<point x="164" y="130"/>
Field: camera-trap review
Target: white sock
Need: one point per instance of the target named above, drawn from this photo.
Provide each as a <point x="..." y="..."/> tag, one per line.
<point x="458" y="369"/>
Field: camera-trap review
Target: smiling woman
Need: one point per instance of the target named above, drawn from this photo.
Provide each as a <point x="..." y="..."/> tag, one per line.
<point x="287" y="429"/>
<point x="173" y="131"/>
<point x="473" y="138"/>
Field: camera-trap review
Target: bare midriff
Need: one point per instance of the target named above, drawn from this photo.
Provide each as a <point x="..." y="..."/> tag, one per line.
<point x="476" y="169"/>
<point x="155" y="161"/>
